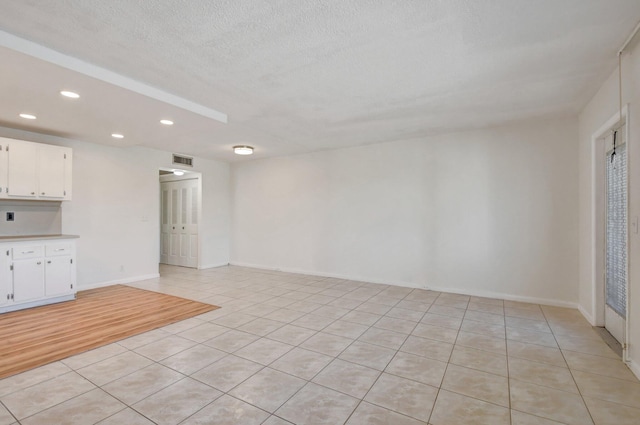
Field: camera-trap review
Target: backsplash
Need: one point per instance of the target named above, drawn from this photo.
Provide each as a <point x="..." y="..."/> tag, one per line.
<point x="30" y="218"/>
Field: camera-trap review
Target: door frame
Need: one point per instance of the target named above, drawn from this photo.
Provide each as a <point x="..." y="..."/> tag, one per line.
<point x="598" y="216"/>
<point x="189" y="175"/>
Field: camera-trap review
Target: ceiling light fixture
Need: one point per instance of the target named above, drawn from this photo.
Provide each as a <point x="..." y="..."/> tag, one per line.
<point x="117" y="136"/>
<point x="178" y="172"/>
<point x="243" y="150"/>
<point x="28" y="116"/>
<point x="166" y="122"/>
<point x="70" y="94"/>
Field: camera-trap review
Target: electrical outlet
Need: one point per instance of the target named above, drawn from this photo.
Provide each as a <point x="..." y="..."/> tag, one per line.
<point x="10" y="216"/>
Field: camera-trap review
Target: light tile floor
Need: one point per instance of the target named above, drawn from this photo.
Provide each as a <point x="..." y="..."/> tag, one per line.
<point x="287" y="348"/>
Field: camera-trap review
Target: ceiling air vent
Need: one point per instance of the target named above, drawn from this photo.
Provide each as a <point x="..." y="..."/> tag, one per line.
<point x="183" y="160"/>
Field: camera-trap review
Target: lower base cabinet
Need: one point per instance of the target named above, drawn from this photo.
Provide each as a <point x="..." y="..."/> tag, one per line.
<point x="35" y="273"/>
<point x="58" y="276"/>
<point x="28" y="280"/>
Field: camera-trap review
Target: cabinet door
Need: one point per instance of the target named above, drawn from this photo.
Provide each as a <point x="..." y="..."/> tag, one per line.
<point x="58" y="276"/>
<point x="4" y="159"/>
<point x="5" y="275"/>
<point x="28" y="279"/>
<point x="51" y="171"/>
<point x="22" y="176"/>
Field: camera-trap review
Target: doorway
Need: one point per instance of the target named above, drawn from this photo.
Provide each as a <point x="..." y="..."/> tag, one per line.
<point x="180" y="212"/>
<point x="609" y="227"/>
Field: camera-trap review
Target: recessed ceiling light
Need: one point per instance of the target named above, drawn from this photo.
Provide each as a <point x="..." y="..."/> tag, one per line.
<point x="117" y="136"/>
<point x="243" y="150"/>
<point x="178" y="172"/>
<point x="28" y="116"/>
<point x="166" y="122"/>
<point x="70" y="94"/>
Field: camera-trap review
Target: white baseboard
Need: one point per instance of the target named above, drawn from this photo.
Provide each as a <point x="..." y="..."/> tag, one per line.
<point x="21" y="306"/>
<point x="331" y="275"/>
<point x="475" y="293"/>
<point x="635" y="368"/>
<point x="587" y="315"/>
<point x="505" y="296"/>
<point x="119" y="281"/>
<point x="211" y="266"/>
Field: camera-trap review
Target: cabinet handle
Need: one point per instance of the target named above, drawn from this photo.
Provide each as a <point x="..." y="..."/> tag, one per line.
<point x="33" y="193"/>
<point x="39" y="262"/>
<point x="59" y="249"/>
<point x="27" y="252"/>
<point x="43" y="193"/>
<point x="182" y="227"/>
<point x="49" y="262"/>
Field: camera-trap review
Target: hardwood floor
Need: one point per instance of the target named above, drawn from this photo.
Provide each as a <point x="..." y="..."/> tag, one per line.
<point x="37" y="336"/>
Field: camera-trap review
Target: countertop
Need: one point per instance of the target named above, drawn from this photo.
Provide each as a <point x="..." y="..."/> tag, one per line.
<point x="20" y="238"/>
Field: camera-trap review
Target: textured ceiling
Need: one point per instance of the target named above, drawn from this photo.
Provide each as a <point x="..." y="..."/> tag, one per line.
<point x="305" y="75"/>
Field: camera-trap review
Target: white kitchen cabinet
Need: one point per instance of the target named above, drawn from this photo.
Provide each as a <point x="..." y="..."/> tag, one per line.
<point x="4" y="161"/>
<point x="58" y="269"/>
<point x="51" y="171"/>
<point x="28" y="280"/>
<point x="58" y="276"/>
<point x="5" y="277"/>
<point x="35" y="171"/>
<point x="36" y="272"/>
<point x="22" y="179"/>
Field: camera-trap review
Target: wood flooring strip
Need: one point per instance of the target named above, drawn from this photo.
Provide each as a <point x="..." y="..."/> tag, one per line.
<point x="112" y="326"/>
<point x="109" y="327"/>
<point x="34" y="337"/>
<point x="89" y="316"/>
<point x="78" y="324"/>
<point x="64" y="347"/>
<point x="88" y="304"/>
<point x="81" y="320"/>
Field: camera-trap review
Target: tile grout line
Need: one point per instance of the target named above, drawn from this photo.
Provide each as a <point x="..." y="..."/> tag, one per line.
<point x="570" y="371"/>
<point x="435" y="401"/>
<point x="506" y="346"/>
<point x="378" y="378"/>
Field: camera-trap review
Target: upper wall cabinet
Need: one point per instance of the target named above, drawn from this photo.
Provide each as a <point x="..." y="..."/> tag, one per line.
<point x="34" y="171"/>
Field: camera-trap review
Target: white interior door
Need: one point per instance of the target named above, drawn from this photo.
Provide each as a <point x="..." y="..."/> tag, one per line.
<point x="164" y="223"/>
<point x="179" y="223"/>
<point x="188" y="224"/>
<point x="616" y="238"/>
<point x="174" y="240"/>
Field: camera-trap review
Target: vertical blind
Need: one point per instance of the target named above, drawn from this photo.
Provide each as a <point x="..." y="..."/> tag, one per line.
<point x="616" y="230"/>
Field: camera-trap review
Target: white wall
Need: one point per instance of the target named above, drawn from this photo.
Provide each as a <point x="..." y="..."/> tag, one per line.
<point x="115" y="209"/>
<point x="491" y="212"/>
<point x="601" y="108"/>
